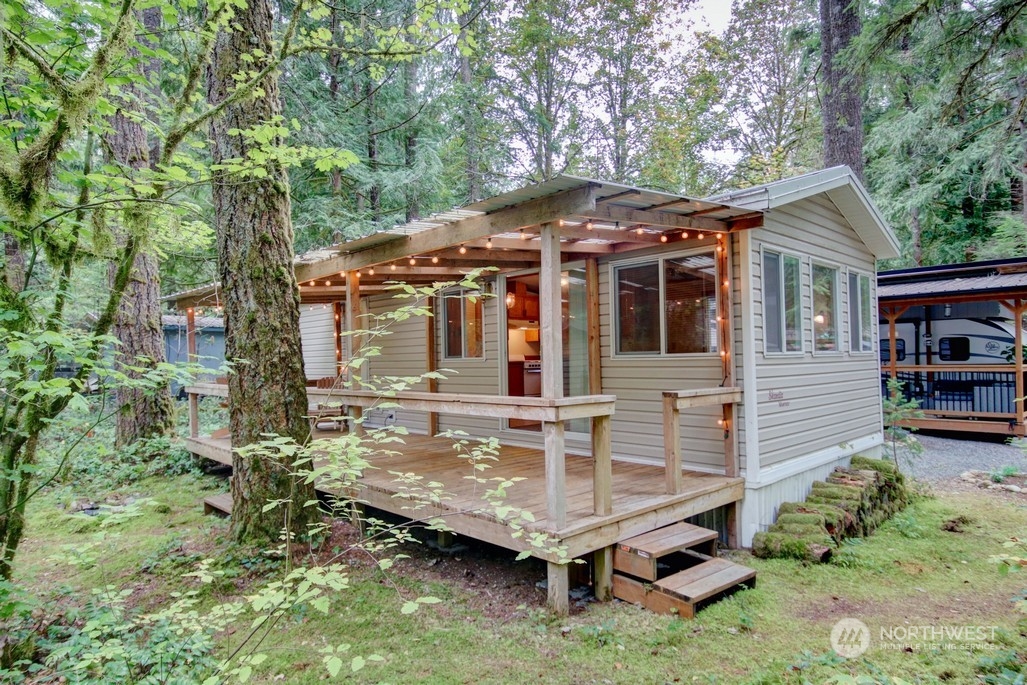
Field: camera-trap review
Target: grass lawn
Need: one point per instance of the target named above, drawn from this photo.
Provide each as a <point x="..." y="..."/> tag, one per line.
<point x="491" y="627"/>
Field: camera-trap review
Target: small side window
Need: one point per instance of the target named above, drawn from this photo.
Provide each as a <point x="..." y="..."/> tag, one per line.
<point x="954" y="349"/>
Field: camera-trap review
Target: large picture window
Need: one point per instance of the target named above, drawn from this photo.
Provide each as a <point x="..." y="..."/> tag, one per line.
<point x="825" y="308"/>
<point x="462" y="311"/>
<point x="667" y="306"/>
<point x="861" y="325"/>
<point x="782" y="302"/>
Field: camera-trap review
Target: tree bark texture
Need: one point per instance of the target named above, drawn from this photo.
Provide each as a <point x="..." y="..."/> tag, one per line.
<point x="142" y="412"/>
<point x="470" y="122"/>
<point x="842" y="107"/>
<point x="267" y="390"/>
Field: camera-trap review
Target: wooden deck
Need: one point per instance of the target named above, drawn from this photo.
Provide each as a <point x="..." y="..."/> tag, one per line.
<point x="640" y="502"/>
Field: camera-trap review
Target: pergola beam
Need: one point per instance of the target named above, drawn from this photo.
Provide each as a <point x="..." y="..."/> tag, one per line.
<point x="531" y="213"/>
<point x="629" y="216"/>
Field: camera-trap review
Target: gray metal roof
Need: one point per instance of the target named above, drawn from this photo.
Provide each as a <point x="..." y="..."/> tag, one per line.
<point x="202" y="322"/>
<point x="993" y="285"/>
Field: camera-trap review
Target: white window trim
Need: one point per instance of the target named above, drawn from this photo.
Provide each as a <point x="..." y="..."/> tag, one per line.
<point x="615" y="305"/>
<point x="840" y="348"/>
<point x="444" y="334"/>
<point x="874" y="344"/>
<point x="803" y="262"/>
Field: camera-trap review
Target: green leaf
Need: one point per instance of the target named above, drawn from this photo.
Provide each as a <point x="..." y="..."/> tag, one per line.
<point x="409" y="607"/>
<point x="333" y="664"/>
<point x="244" y="673"/>
<point x="357" y="663"/>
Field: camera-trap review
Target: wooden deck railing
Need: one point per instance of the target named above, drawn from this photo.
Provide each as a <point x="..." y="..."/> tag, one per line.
<point x="676" y="400"/>
<point x="598" y="408"/>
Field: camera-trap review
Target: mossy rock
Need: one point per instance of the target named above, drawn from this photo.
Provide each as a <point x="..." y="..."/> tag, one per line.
<point x="770" y="545"/>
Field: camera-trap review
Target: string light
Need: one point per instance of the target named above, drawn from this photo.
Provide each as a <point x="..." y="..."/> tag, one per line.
<point x="639" y="230"/>
<point x="588" y="226"/>
<point x="720" y="236"/>
<point x="413" y="261"/>
<point x="392" y="266"/>
<point x="435" y="259"/>
<point x="328" y="283"/>
<point x="312" y="283"/>
<point x="370" y="272"/>
<point x="700" y="236"/>
<point x="524" y="236"/>
<point x="684" y="235"/>
<point x="488" y="244"/>
<point x="663" y="238"/>
<point x="463" y="249"/>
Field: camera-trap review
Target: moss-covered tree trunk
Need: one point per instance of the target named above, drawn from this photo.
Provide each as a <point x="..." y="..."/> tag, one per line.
<point x="142" y="413"/>
<point x="267" y="391"/>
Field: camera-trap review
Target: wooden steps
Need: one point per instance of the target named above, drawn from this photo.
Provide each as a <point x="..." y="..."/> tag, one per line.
<point x="675" y="570"/>
<point x="220" y="505"/>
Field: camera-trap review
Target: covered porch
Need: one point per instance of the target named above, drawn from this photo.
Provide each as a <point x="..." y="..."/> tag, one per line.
<point x="587" y="503"/>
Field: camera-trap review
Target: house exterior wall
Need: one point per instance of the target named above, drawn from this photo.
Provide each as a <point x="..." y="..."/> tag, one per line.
<point x="403" y="355"/>
<point x="317" y="338"/>
<point x="811" y="411"/>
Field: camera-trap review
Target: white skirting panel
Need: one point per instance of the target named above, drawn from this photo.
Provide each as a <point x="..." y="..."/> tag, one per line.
<point x="791" y="481"/>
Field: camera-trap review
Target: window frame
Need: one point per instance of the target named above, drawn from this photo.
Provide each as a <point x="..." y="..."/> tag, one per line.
<point x="659" y="260"/>
<point x="837" y="303"/>
<point x="463" y="295"/>
<point x="801" y="329"/>
<point x="854" y="318"/>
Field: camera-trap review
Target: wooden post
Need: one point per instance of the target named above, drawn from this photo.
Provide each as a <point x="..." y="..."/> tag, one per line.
<point x="194" y="400"/>
<point x="337" y="311"/>
<point x="602" y="467"/>
<point x="355" y="342"/>
<point x="1018" y="357"/>
<point x="551" y="315"/>
<point x="725" y="328"/>
<point x="558" y="589"/>
<point x="892" y="314"/>
<point x="672" y="442"/>
<point x="595" y="368"/>
<point x="602" y="568"/>
<point x="433" y="384"/>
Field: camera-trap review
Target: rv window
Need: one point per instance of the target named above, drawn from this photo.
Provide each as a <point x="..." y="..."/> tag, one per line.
<point x="956" y="349"/>
<point x="900" y="350"/>
<point x="463" y="320"/>
<point x="667" y="306"/>
<point x="782" y="302"/>
<point x="861" y="331"/>
<point x="825" y="308"/>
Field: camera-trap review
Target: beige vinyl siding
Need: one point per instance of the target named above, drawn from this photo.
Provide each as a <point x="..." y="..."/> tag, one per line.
<point x="809" y="402"/>
<point x="317" y="339"/>
<point x="403" y="354"/>
<point x="738" y="291"/>
<point x="471" y="376"/>
<point x="639" y="382"/>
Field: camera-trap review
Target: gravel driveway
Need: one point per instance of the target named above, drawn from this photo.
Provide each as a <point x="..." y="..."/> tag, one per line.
<point x="945" y="458"/>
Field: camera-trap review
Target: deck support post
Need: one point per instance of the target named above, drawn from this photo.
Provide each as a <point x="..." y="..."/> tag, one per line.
<point x="355" y="343"/>
<point x="558" y="588"/>
<point x="602" y="467"/>
<point x="672" y="442"/>
<point x="1018" y="400"/>
<point x="433" y="383"/>
<point x="602" y="567"/>
<point x="194" y="400"/>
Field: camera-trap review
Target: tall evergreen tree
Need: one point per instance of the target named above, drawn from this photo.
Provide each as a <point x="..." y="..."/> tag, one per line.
<point x="842" y="92"/>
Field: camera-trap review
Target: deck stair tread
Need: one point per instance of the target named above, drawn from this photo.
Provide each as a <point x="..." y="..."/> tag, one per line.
<point x="705" y="580"/>
<point x="689" y="577"/>
<point x="220" y="503"/>
<point x="639" y="555"/>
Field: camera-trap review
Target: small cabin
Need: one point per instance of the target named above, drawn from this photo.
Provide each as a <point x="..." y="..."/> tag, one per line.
<point x="954" y="329"/>
<point x="644" y="358"/>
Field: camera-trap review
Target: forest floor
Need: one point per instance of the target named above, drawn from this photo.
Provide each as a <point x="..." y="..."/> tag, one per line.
<point x="927" y="570"/>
